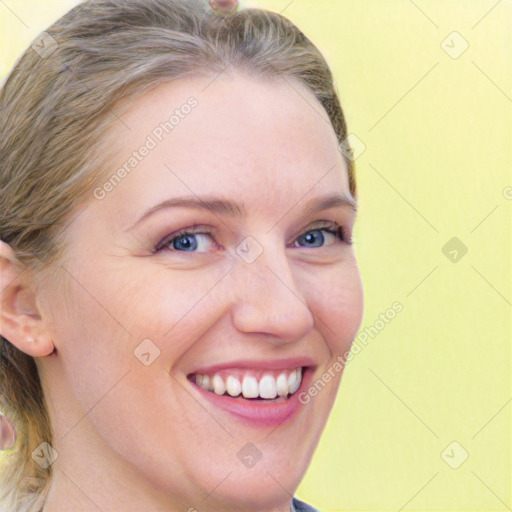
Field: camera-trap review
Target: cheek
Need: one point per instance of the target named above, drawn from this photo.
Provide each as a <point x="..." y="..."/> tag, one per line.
<point x="172" y="308"/>
<point x="336" y="297"/>
<point x="95" y="353"/>
<point x="91" y="337"/>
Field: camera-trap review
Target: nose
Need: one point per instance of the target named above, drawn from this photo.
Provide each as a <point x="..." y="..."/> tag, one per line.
<point x="267" y="299"/>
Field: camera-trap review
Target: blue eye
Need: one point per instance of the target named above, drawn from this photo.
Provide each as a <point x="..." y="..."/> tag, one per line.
<point x="316" y="236"/>
<point x="186" y="239"/>
<point x="188" y="242"/>
<point x="332" y="228"/>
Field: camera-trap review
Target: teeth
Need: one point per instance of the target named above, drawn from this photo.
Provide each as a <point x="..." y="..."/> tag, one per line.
<point x="206" y="383"/>
<point x="203" y="381"/>
<point x="294" y="380"/>
<point x="268" y="387"/>
<point x="250" y="388"/>
<point x="233" y="386"/>
<point x="218" y="385"/>
<point x="282" y="384"/>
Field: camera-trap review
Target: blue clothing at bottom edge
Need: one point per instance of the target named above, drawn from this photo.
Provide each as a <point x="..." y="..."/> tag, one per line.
<point x="300" y="506"/>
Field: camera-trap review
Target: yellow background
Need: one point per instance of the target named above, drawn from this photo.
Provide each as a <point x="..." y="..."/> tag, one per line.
<point x="437" y="163"/>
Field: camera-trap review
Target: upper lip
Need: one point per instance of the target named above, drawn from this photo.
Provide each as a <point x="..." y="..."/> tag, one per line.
<point x="262" y="364"/>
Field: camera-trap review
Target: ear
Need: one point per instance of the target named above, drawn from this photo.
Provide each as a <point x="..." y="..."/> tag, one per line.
<point x="20" y="320"/>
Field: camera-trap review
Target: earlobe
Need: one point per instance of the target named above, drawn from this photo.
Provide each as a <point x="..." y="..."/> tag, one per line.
<point x="38" y="346"/>
<point x="20" y="321"/>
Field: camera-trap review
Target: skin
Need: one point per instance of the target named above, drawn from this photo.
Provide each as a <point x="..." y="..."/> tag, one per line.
<point x="135" y="437"/>
<point x="7" y="434"/>
<point x="224" y="6"/>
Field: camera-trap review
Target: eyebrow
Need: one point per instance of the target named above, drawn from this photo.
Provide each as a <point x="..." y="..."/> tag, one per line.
<point x="230" y="208"/>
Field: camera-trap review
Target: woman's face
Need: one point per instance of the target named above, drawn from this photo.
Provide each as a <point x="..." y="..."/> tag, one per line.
<point x="260" y="290"/>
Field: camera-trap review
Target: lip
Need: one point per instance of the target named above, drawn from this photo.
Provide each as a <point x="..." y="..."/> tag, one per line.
<point x="258" y="413"/>
<point x="277" y="364"/>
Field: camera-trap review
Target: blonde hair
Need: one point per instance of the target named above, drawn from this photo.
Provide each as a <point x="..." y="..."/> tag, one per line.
<point x="57" y="107"/>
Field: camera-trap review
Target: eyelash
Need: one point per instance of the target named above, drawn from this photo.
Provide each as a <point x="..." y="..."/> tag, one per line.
<point x="342" y="234"/>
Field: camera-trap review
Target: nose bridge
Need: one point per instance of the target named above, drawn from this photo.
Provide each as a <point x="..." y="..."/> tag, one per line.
<point x="267" y="299"/>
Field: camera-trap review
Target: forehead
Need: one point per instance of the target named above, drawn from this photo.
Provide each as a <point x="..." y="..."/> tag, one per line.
<point x="263" y="142"/>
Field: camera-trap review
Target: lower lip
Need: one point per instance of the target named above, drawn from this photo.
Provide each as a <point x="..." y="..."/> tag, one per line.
<point x="263" y="413"/>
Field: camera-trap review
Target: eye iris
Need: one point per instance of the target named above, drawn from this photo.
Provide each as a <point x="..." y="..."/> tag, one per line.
<point x="309" y="236"/>
<point x="186" y="245"/>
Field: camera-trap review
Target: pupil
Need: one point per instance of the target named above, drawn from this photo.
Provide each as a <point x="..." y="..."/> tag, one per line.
<point x="311" y="238"/>
<point x="187" y="244"/>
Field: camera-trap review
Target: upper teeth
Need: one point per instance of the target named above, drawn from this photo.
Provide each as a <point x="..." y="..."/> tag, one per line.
<point x="269" y="386"/>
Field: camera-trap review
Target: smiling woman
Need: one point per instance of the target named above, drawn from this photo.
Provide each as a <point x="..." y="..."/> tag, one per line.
<point x="162" y="333"/>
